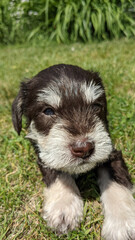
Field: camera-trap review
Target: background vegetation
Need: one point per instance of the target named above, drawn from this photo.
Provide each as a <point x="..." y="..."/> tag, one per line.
<point x="66" y="20"/>
<point x="21" y="183"/>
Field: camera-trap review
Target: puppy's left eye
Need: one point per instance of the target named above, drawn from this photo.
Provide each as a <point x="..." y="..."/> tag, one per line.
<point x="49" y="111"/>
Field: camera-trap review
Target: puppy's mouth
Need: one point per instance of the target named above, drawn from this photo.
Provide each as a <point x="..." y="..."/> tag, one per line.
<point x="86" y="156"/>
<point x="83" y="160"/>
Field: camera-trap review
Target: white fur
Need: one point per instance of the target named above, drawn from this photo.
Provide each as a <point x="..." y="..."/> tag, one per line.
<point x="63" y="206"/>
<point x="119" y="210"/>
<point x="50" y="96"/>
<point x="55" y="152"/>
<point x="91" y="91"/>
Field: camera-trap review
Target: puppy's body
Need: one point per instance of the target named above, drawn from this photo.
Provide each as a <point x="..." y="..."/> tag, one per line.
<point x="67" y="116"/>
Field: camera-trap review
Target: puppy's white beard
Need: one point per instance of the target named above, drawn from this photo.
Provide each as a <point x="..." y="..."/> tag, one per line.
<point x="63" y="206"/>
<point x="55" y="152"/>
<point x="119" y="210"/>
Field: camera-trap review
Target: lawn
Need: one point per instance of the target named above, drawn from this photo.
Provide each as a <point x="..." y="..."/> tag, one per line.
<point x="21" y="183"/>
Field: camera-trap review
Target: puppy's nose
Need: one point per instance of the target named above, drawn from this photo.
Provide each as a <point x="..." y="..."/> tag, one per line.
<point x="82" y="149"/>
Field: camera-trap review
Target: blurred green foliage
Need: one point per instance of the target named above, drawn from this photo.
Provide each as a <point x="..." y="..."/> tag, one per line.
<point x="66" y="20"/>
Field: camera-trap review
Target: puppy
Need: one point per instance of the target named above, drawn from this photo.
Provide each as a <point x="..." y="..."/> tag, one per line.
<point x="65" y="107"/>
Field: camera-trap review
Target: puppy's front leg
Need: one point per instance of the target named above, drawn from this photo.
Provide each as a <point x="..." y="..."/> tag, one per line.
<point x="118" y="202"/>
<point x="63" y="206"/>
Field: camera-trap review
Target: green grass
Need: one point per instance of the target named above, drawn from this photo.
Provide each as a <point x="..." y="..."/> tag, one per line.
<point x="21" y="186"/>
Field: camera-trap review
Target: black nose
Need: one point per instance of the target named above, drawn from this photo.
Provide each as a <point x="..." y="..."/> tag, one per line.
<point x="82" y="149"/>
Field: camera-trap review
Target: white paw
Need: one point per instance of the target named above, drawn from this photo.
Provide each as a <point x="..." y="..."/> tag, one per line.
<point x="63" y="206"/>
<point x="65" y="214"/>
<point x="119" y="211"/>
<point x="120" y="225"/>
<point x="119" y="230"/>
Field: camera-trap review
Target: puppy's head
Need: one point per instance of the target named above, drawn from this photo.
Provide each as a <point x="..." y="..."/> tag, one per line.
<point x="66" y="111"/>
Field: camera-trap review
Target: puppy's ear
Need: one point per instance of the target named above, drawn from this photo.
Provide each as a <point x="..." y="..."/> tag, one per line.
<point x="17" y="111"/>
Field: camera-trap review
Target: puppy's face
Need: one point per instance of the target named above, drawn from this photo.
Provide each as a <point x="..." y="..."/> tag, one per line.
<point x="66" y="111"/>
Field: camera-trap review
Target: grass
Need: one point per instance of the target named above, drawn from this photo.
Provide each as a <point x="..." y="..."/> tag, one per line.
<point x="21" y="186"/>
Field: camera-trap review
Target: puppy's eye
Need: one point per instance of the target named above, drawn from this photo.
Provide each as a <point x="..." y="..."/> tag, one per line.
<point x="97" y="107"/>
<point x="49" y="111"/>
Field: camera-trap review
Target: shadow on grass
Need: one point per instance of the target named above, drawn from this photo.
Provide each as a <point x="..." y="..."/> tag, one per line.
<point x="88" y="186"/>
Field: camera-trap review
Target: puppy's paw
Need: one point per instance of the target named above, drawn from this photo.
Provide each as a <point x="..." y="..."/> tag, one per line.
<point x="119" y="211"/>
<point x="119" y="222"/>
<point x="63" y="206"/>
<point x="122" y="229"/>
<point x="63" y="215"/>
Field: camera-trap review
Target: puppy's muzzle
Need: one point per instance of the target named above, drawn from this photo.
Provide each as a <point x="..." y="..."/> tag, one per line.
<point x="82" y="149"/>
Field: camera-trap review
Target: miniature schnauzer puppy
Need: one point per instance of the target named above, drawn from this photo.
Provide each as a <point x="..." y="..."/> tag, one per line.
<point x="65" y="107"/>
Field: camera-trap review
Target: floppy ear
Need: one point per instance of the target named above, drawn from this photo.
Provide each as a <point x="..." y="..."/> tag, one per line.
<point x="17" y="111"/>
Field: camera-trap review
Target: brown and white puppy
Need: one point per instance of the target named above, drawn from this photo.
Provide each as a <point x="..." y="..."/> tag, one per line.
<point x="66" y="110"/>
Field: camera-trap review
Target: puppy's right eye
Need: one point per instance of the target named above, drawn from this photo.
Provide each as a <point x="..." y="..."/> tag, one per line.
<point x="49" y="111"/>
<point x="97" y="107"/>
